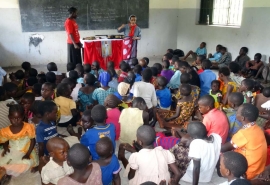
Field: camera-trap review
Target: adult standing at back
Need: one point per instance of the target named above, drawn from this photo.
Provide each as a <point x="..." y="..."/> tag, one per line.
<point x="73" y="38"/>
<point x="132" y="33"/>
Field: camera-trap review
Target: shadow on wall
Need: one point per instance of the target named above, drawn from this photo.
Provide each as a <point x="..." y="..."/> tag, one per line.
<point x="7" y="58"/>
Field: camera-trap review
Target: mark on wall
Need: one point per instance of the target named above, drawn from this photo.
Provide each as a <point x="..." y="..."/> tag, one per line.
<point x="35" y="40"/>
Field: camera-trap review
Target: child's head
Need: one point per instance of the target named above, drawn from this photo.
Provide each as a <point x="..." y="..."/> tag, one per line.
<point x="146" y="135"/>
<point x="26" y="66"/>
<point x="130" y="79"/>
<point x="16" y="115"/>
<point x="266" y="92"/>
<point x="243" y="51"/>
<point x="31" y="81"/>
<point x="247" y="85"/>
<point x="51" y="77"/>
<point x="215" y="85"/>
<point x="80" y="70"/>
<point x="247" y="113"/>
<point x="70" y="82"/>
<point x="48" y="110"/>
<point x="158" y="66"/>
<point x="64" y="89"/>
<point x="218" y="47"/>
<point x="146" y="60"/>
<point x="11" y="89"/>
<point x="257" y="57"/>
<point x="137" y="69"/>
<point x="165" y="64"/>
<point x="233" y="164"/>
<point x="206" y="103"/>
<point x="110" y="65"/>
<point x="234" y="67"/>
<point x="122" y="62"/>
<point x="147" y="75"/>
<point x="223" y="73"/>
<point x="58" y="149"/>
<point x="52" y="66"/>
<point x="223" y="50"/>
<point x="33" y="72"/>
<point x="185" y="78"/>
<point x="235" y="99"/>
<point x="162" y="82"/>
<point x="104" y="148"/>
<point x="139" y="103"/>
<point x="99" y="114"/>
<point x="197" y="130"/>
<point x="95" y="65"/>
<point x="86" y="120"/>
<point x="185" y="89"/>
<point x="154" y="71"/>
<point x="167" y="56"/>
<point x="41" y="78"/>
<point x="89" y="79"/>
<point x="174" y="59"/>
<point x="206" y="64"/>
<point x="73" y="75"/>
<point x="123" y="89"/>
<point x="27" y="100"/>
<point x="86" y="68"/>
<point x="104" y="79"/>
<point x="125" y="67"/>
<point x="47" y="90"/>
<point x="202" y="45"/>
<point x="112" y="101"/>
<point x="19" y="75"/>
<point x="143" y="63"/>
<point x="34" y="108"/>
<point x="78" y="157"/>
<point x="183" y="66"/>
<point x="134" y="61"/>
<point x="170" y="51"/>
<point x="70" y="66"/>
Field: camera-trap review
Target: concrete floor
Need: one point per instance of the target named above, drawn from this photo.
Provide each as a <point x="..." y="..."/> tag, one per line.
<point x="26" y="179"/>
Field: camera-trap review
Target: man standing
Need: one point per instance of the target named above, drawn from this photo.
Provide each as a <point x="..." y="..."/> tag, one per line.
<point x="73" y="40"/>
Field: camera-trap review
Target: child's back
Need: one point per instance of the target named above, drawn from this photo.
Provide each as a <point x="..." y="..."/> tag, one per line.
<point x="164" y="97"/>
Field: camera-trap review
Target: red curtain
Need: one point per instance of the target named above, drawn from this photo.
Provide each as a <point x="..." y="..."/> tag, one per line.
<point x="93" y="51"/>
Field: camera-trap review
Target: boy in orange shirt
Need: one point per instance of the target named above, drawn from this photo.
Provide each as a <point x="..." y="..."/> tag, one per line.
<point x="249" y="140"/>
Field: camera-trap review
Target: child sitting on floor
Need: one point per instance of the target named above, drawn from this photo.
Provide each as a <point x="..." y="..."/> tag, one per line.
<point x="154" y="77"/>
<point x="69" y="113"/>
<point x="113" y="113"/>
<point x="90" y="138"/>
<point x="85" y="171"/>
<point x="26" y="67"/>
<point x="26" y="101"/>
<point x="246" y="88"/>
<point x="124" y="72"/>
<point x="263" y="112"/>
<point x="146" y="60"/>
<point x="36" y="115"/>
<point x="85" y="93"/>
<point x="134" y="62"/>
<point x="235" y="100"/>
<point x="18" y="79"/>
<point x="86" y="68"/>
<point x="233" y="166"/>
<point x="57" y="167"/>
<point x="163" y="94"/>
<point x="70" y="67"/>
<point x="108" y="162"/>
<point x="53" y="68"/>
<point x="96" y="70"/>
<point x="184" y="110"/>
<point x="215" y="92"/>
<point x="198" y="63"/>
<point x="174" y="59"/>
<point x="18" y="140"/>
<point x="254" y="65"/>
<point x="150" y="164"/>
<point x="80" y="71"/>
<point x="159" y="68"/>
<point x="37" y="91"/>
<point x="174" y="83"/>
<point x="166" y="72"/>
<point x="47" y="91"/>
<point x="201" y="50"/>
<point x="143" y="63"/>
<point x="249" y="140"/>
<point x="138" y="72"/>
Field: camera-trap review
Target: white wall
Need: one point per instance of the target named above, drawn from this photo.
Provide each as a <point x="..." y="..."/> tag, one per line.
<point x="254" y="32"/>
<point x="14" y="44"/>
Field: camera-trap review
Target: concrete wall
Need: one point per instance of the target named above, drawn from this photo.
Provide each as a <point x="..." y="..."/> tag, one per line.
<point x="14" y="44"/>
<point x="253" y="33"/>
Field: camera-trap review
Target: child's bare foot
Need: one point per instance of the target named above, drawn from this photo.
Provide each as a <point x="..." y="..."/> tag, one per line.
<point x="70" y="130"/>
<point x="34" y="169"/>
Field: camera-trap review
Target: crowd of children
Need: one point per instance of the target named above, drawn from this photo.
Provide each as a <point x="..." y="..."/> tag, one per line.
<point x="211" y="121"/>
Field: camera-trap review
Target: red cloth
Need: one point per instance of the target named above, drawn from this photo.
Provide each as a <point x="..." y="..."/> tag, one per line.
<point x="122" y="76"/>
<point x="132" y="30"/>
<point x="93" y="51"/>
<point x="72" y="28"/>
<point x="127" y="48"/>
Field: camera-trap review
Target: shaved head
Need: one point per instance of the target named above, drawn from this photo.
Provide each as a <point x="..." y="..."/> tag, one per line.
<point x="56" y="143"/>
<point x="104" y="147"/>
<point x="197" y="130"/>
<point x="236" y="98"/>
<point x="146" y="134"/>
<point x="207" y="100"/>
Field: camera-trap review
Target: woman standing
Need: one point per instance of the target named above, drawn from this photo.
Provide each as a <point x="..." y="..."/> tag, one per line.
<point x="132" y="33"/>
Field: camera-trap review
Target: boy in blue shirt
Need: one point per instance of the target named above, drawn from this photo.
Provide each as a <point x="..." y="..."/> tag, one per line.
<point x="206" y="77"/>
<point x="217" y="55"/>
<point x="199" y="51"/>
<point x="163" y="94"/>
<point x="91" y="136"/>
<point x="108" y="162"/>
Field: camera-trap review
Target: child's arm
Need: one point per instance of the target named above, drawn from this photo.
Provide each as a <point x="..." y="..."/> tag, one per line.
<point x="116" y="179"/>
<point x="145" y="118"/>
<point x="176" y="115"/>
<point x="131" y="174"/>
<point x="6" y="148"/>
<point x="176" y="172"/>
<point x="31" y="147"/>
<point x="196" y="171"/>
<point x="226" y="147"/>
<point x="40" y="149"/>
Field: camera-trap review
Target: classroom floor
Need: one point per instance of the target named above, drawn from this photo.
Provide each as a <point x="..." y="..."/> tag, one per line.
<point x="33" y="179"/>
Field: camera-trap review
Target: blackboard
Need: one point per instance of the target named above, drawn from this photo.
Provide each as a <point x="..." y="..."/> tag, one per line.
<point x="50" y="15"/>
